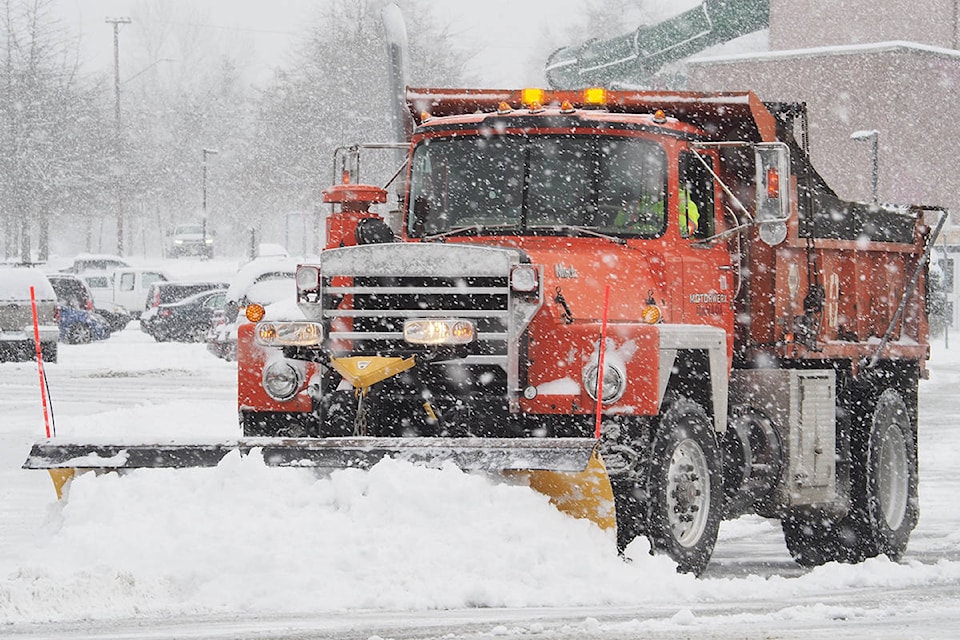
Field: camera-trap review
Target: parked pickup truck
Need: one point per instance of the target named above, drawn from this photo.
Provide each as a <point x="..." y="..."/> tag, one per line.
<point x="126" y="287"/>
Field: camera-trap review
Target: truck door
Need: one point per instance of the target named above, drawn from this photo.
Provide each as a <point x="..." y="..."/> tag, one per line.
<point x="707" y="284"/>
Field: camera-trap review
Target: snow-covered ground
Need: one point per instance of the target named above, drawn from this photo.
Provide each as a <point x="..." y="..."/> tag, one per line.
<point x="246" y="551"/>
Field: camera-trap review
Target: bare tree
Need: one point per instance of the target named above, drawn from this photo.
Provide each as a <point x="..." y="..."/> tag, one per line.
<point x="50" y="153"/>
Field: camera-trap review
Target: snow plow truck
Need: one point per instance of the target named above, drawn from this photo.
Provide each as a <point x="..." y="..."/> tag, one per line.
<point x="649" y="304"/>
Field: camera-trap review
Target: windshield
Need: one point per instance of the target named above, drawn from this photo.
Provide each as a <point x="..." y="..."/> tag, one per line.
<point x="612" y="184"/>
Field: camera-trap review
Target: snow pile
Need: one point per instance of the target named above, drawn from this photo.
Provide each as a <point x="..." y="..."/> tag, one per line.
<point x="243" y="538"/>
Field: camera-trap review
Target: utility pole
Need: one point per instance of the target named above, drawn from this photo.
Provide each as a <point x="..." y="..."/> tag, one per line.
<point x="116" y="22"/>
<point x="206" y="152"/>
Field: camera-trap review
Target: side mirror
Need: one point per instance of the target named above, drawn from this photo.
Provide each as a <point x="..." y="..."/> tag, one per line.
<point x="773" y="204"/>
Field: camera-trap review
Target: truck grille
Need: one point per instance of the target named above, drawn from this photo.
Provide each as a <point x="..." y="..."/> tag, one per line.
<point x="378" y="306"/>
<point x="368" y="291"/>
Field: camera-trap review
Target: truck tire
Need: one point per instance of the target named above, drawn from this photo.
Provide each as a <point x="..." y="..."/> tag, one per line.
<point x="884" y="480"/>
<point x="685" y="487"/>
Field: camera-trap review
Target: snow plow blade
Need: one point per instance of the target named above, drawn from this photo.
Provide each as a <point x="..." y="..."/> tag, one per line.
<point x="487" y="454"/>
<point x="567" y="470"/>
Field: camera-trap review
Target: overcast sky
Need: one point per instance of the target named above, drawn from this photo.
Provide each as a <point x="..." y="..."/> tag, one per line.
<point x="504" y="32"/>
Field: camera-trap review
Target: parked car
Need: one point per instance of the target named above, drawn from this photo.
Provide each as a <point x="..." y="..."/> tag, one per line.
<point x="171" y="291"/>
<point x="96" y="262"/>
<point x="17" y="340"/>
<point x="186" y="320"/>
<point x="193" y="239"/>
<point x="78" y="319"/>
<point x="101" y="286"/>
<point x="80" y="326"/>
<point x="265" y="281"/>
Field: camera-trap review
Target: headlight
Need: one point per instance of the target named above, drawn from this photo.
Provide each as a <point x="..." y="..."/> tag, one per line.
<point x="614" y="382"/>
<point x="438" y="331"/>
<point x="281" y="380"/>
<point x="293" y="334"/>
<point x="307" y="278"/>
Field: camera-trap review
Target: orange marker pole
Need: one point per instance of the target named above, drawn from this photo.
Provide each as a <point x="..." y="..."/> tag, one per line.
<point x="600" y="358"/>
<point x="43" y="378"/>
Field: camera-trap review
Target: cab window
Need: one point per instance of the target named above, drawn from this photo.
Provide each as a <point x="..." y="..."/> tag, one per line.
<point x="696" y="188"/>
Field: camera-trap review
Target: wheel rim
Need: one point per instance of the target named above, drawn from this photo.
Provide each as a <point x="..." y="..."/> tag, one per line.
<point x="688" y="493"/>
<point x="893" y="481"/>
<point x="81" y="334"/>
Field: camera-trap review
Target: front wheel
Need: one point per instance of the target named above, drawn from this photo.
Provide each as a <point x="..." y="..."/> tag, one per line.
<point x="80" y="334"/>
<point x="686" y="487"/>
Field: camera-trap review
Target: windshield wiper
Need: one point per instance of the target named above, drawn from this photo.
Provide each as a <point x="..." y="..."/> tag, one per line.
<point x="475" y="228"/>
<point x="581" y="231"/>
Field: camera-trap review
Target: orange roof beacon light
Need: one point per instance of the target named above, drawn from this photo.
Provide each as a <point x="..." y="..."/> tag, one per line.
<point x="659" y="116"/>
<point x="531" y="97"/>
<point x="566" y="107"/>
<point x="504" y="107"/>
<point x="595" y="96"/>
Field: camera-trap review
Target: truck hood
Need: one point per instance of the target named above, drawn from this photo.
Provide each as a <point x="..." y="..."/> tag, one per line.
<point x="580" y="269"/>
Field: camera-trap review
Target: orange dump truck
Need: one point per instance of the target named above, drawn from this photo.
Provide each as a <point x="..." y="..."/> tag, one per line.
<point x="648" y="303"/>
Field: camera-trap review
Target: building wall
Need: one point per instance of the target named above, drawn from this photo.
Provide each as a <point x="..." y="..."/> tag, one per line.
<point x="800" y="24"/>
<point x="908" y="94"/>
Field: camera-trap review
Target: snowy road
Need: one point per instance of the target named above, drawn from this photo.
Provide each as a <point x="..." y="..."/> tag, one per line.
<point x="243" y="551"/>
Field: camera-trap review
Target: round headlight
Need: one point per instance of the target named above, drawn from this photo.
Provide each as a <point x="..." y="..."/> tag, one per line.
<point x="614" y="382"/>
<point x="281" y="380"/>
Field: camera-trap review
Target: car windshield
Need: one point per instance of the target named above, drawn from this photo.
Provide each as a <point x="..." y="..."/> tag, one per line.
<point x="545" y="182"/>
<point x="187" y="229"/>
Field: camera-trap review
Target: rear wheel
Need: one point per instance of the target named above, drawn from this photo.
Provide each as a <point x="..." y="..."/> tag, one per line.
<point x="884" y="490"/>
<point x="685" y="487"/>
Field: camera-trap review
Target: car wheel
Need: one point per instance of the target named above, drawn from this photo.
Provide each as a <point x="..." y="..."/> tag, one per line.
<point x="79" y="334"/>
